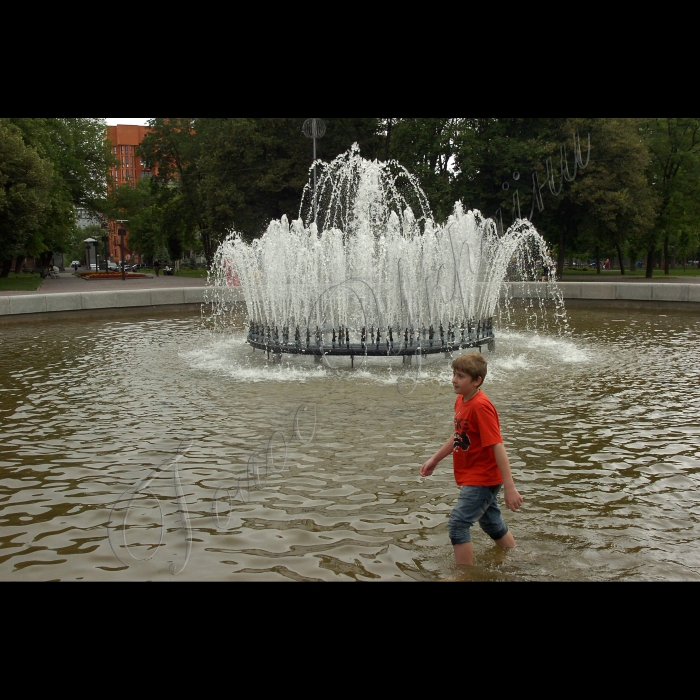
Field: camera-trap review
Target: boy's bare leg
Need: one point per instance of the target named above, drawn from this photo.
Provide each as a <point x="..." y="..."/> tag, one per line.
<point x="507" y="540"/>
<point x="464" y="553"/>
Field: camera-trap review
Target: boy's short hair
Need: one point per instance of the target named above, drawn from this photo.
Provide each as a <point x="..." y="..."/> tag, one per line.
<point x="474" y="364"/>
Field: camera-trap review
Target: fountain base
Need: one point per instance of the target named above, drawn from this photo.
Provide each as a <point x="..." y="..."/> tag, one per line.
<point x="370" y="350"/>
<point x="307" y="341"/>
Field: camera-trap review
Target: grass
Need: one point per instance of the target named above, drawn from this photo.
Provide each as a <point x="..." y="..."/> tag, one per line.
<point x="20" y="283"/>
<point x="674" y="272"/>
<point x="184" y="272"/>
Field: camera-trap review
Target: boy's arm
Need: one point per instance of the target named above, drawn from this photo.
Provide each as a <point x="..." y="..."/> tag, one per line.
<point x="513" y="499"/>
<point x="428" y="467"/>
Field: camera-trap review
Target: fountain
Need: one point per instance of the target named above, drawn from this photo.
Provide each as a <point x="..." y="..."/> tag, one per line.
<point x="608" y="455"/>
<point x="375" y="275"/>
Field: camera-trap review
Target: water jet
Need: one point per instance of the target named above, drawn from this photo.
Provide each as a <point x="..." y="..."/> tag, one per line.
<point x="367" y="271"/>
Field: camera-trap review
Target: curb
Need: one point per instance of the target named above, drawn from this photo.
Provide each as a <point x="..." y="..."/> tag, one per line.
<point x="23" y="305"/>
<point x="637" y="294"/>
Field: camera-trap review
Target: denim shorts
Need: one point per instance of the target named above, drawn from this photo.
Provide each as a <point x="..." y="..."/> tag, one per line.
<point x="476" y="503"/>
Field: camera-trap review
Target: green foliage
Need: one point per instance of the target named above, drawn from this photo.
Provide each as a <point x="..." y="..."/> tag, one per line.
<point x="613" y="201"/>
<point x="25" y="194"/>
<point x="215" y="175"/>
<point x="638" y="192"/>
<point x="674" y="173"/>
<point x="428" y="148"/>
<point x="140" y="206"/>
<point x="75" y="159"/>
<point x="169" y="211"/>
<point x="75" y="247"/>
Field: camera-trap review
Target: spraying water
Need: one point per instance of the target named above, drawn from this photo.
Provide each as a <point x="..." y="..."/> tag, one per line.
<point x="375" y="274"/>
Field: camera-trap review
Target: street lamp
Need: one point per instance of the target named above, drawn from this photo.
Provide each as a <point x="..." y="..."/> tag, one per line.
<point x="314" y="129"/>
<point x="122" y="234"/>
<point x="105" y="240"/>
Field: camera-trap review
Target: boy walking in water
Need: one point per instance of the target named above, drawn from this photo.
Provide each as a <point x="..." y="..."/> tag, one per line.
<point x="481" y="464"/>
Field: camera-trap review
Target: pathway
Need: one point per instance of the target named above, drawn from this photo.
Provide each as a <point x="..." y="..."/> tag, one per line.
<point x="68" y="282"/>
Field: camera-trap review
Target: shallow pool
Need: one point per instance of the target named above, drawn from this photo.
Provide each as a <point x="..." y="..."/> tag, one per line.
<point x="146" y="448"/>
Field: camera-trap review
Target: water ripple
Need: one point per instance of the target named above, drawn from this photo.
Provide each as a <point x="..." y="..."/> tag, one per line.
<point x="601" y="428"/>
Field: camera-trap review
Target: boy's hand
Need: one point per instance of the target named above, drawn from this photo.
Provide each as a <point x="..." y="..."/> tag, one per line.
<point x="428" y="467"/>
<point x="513" y="499"/>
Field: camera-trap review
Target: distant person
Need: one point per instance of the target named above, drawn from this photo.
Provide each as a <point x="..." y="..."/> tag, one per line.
<point x="156" y="267"/>
<point x="480" y="461"/>
<point x="606" y="264"/>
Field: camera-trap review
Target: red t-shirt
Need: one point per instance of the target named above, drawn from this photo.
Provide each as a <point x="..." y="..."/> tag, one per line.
<point x="477" y="429"/>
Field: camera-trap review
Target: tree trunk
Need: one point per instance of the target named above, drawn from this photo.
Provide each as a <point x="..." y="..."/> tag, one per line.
<point x="619" y="257"/>
<point x="18" y="263"/>
<point x="6" y="265"/>
<point x="650" y="263"/>
<point x="666" y="260"/>
<point x="561" y="255"/>
<point x="208" y="246"/>
<point x="597" y="260"/>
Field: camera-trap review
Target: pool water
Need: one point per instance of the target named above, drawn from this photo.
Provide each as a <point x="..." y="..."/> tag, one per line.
<point x="148" y="448"/>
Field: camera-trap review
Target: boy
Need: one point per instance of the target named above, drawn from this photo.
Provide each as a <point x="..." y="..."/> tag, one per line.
<point x="481" y="464"/>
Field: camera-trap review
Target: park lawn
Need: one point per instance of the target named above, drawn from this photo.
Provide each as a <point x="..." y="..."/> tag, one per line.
<point x="183" y="272"/>
<point x="188" y="272"/>
<point x="20" y="283"/>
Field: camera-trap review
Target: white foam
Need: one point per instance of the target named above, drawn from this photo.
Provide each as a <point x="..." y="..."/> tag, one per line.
<point x="564" y="349"/>
<point x="230" y="356"/>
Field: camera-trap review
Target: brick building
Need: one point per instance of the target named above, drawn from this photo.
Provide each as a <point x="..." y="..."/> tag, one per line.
<point x="125" y="140"/>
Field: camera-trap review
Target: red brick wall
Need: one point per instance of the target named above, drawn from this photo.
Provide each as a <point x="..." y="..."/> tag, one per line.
<point x="124" y="139"/>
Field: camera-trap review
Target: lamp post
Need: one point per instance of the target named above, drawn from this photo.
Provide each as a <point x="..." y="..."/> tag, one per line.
<point x="122" y="235"/>
<point x="105" y="240"/>
<point x="314" y="129"/>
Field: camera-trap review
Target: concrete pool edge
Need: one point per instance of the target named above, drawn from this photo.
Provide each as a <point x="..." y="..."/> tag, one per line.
<point x="638" y="295"/>
<point x="627" y="295"/>
<point x="37" y="306"/>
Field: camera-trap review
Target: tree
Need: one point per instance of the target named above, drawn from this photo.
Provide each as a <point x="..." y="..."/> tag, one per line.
<point x="25" y="183"/>
<point x="674" y="173"/>
<point x="428" y="148"/>
<point x="141" y="207"/>
<point x="611" y="201"/>
<point x="533" y="168"/>
<point x="173" y="149"/>
<point x="254" y="170"/>
<point x="216" y="175"/>
<point x="79" y="156"/>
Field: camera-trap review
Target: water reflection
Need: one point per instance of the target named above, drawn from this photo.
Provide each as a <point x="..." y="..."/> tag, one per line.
<point x="601" y="429"/>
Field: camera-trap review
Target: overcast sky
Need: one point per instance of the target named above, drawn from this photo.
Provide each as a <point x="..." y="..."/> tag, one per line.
<point x="126" y="120"/>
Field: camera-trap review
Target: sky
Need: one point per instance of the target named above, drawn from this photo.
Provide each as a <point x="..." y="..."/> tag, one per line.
<point x="126" y="120"/>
